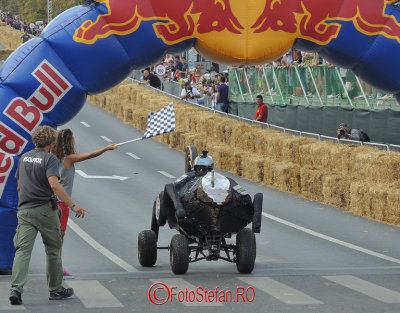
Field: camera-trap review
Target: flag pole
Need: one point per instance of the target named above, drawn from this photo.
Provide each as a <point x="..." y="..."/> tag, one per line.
<point x="129" y="141"/>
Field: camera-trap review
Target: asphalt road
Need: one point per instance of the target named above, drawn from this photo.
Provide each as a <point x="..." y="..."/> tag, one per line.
<point x="310" y="257"/>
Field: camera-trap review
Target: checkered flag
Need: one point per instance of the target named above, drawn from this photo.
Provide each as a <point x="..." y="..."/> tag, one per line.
<point x="160" y="122"/>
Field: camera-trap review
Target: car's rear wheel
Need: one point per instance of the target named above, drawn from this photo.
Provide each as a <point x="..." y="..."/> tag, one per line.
<point x="190" y="155"/>
<point x="257" y="205"/>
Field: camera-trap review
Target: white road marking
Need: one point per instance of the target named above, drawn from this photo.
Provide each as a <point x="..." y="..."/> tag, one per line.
<point x="282" y="292"/>
<point x="182" y="285"/>
<point x="93" y="294"/>
<point x="85" y="124"/>
<point x="166" y="174"/>
<point x="106" y="138"/>
<point x="103" y="250"/>
<point x="4" y="298"/>
<point x="133" y="155"/>
<point x="371" y="290"/>
<point x="331" y="239"/>
<point x="84" y="175"/>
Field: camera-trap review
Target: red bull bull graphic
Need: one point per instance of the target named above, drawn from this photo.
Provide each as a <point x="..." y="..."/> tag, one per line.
<point x="91" y="48"/>
<point x="317" y="21"/>
<point x="176" y="20"/>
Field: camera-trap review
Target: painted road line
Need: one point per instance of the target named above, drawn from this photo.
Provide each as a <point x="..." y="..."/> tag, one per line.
<point x="331" y="239"/>
<point x="175" y="285"/>
<point x="93" y="294"/>
<point x="371" y="290"/>
<point x="133" y="155"/>
<point x="106" y="138"/>
<point x="84" y="175"/>
<point x="103" y="250"/>
<point x="166" y="174"/>
<point x="282" y="292"/>
<point x="85" y="124"/>
<point x="4" y="298"/>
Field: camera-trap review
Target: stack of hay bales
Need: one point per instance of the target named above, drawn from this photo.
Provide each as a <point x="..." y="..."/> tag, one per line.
<point x="10" y="37"/>
<point x="363" y="180"/>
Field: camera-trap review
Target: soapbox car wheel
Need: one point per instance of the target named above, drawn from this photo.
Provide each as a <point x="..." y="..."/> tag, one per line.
<point x="160" y="209"/>
<point x="190" y="155"/>
<point x="179" y="254"/>
<point x="147" y="248"/>
<point x="257" y="205"/>
<point x="245" y="251"/>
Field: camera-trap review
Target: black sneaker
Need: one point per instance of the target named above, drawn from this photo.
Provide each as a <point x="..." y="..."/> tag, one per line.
<point x="15" y="297"/>
<point x="63" y="294"/>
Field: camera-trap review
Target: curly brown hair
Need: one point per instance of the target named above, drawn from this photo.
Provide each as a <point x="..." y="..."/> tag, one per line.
<point x="44" y="136"/>
<point x="65" y="144"/>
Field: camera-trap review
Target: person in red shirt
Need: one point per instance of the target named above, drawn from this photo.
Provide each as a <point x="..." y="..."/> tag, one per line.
<point x="262" y="110"/>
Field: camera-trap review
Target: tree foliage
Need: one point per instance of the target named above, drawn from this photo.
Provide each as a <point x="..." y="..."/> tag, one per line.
<point x="36" y="10"/>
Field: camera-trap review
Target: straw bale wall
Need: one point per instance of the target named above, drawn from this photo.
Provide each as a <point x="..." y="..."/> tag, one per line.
<point x="10" y="37"/>
<point x="362" y="180"/>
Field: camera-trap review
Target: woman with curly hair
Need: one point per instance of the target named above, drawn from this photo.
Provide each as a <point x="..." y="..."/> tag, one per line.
<point x="65" y="152"/>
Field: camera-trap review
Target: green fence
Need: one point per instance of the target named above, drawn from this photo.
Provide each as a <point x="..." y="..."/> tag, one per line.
<point x="308" y="85"/>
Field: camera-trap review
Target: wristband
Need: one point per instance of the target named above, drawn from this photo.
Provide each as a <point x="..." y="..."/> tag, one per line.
<point x="72" y="208"/>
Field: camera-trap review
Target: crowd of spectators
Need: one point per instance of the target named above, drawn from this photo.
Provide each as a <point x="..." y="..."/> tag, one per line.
<point x="196" y="85"/>
<point x="16" y="22"/>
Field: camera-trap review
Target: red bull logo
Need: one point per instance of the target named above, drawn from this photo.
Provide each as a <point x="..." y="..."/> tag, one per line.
<point x="237" y="31"/>
<point x="317" y="21"/>
<point x="179" y="19"/>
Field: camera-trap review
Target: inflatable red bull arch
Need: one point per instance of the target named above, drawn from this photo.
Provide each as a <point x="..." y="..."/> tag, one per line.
<point x="91" y="48"/>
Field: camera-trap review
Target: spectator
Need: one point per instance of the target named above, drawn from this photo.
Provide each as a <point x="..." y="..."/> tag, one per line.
<point x="222" y="96"/>
<point x="190" y="93"/>
<point x="37" y="181"/>
<point x="346" y="132"/>
<point x="64" y="150"/>
<point x="25" y="37"/>
<point x="150" y="79"/>
<point x="185" y="68"/>
<point x="262" y="110"/>
<point x="178" y="68"/>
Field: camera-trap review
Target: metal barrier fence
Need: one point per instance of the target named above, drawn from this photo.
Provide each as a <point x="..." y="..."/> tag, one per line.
<point x="387" y="147"/>
<point x="308" y="85"/>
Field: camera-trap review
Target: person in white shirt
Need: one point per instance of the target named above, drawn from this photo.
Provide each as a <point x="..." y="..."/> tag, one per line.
<point x="190" y="93"/>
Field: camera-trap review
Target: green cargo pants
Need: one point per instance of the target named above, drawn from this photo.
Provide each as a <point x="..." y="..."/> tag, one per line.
<point x="30" y="221"/>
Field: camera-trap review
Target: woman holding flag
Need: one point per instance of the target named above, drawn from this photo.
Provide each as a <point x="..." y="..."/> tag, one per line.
<point x="65" y="152"/>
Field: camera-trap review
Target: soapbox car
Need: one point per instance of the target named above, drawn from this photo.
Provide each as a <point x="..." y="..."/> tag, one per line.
<point x="206" y="208"/>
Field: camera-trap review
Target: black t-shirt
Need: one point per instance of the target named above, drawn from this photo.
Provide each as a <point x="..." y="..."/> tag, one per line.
<point x="34" y="169"/>
<point x="154" y="80"/>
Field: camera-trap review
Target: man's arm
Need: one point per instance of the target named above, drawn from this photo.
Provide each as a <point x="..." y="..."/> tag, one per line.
<point x="62" y="194"/>
<point x="217" y="97"/>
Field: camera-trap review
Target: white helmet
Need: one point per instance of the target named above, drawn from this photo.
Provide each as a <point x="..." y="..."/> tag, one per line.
<point x="203" y="162"/>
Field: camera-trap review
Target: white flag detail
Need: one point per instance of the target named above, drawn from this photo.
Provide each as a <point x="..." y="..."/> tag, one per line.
<point x="160" y="122"/>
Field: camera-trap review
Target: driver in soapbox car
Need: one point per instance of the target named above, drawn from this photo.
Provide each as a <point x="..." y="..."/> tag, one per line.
<point x="206" y="208"/>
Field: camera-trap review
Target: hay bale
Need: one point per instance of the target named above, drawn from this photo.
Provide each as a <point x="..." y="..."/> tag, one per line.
<point x="273" y="147"/>
<point x="336" y="190"/>
<point x="253" y="168"/>
<point x="286" y="176"/>
<point x="174" y="139"/>
<point x="222" y="155"/>
<point x="360" y="199"/>
<point x="239" y="158"/>
<point x="236" y="136"/>
<point x="393" y="204"/>
<point x="377" y="166"/>
<point x="311" y="183"/>
<point x="268" y="172"/>
<point x="5" y="53"/>
<point x="291" y="147"/>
